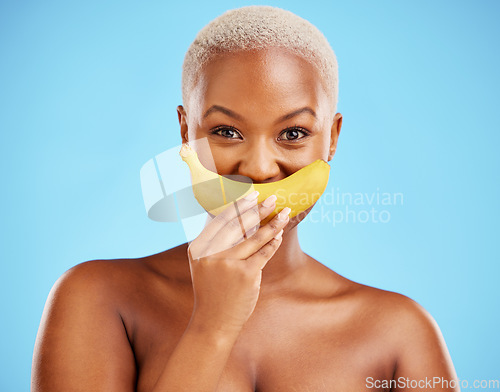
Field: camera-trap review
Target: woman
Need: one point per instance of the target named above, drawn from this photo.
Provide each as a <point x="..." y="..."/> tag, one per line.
<point x="232" y="311"/>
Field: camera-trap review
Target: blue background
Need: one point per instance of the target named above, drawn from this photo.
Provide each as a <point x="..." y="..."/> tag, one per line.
<point x="88" y="92"/>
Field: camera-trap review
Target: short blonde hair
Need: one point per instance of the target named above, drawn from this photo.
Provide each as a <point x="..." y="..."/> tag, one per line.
<point x="261" y="27"/>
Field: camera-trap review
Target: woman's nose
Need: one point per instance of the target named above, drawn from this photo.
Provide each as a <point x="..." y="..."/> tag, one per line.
<point x="259" y="164"/>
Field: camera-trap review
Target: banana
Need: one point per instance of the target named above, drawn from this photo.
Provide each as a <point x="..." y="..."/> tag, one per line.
<point x="214" y="192"/>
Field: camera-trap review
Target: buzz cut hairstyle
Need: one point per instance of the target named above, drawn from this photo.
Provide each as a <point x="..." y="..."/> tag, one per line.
<point x="257" y="28"/>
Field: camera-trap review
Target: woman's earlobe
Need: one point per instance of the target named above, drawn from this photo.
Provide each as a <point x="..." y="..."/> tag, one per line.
<point x="331" y="153"/>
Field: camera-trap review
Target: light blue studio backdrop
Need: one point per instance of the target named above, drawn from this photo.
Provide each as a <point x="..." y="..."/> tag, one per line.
<point x="88" y="95"/>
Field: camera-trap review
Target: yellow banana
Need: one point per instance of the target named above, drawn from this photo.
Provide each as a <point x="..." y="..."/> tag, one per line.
<point x="299" y="191"/>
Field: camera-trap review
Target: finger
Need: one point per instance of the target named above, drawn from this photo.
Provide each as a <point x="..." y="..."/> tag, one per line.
<point x="249" y="233"/>
<point x="263" y="235"/>
<point x="260" y="258"/>
<point x="234" y="231"/>
<point x="232" y="211"/>
<point x="201" y="244"/>
<point x="242" y="226"/>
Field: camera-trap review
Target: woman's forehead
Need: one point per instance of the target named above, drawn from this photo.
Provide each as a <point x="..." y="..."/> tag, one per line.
<point x="257" y="79"/>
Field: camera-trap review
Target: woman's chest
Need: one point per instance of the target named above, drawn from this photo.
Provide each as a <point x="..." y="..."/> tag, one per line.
<point x="301" y="348"/>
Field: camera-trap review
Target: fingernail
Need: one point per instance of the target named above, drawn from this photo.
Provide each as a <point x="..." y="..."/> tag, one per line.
<point x="252" y="196"/>
<point x="284" y="213"/>
<point x="278" y="236"/>
<point x="269" y="201"/>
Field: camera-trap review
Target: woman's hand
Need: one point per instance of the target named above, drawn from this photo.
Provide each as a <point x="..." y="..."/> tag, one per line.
<point x="226" y="262"/>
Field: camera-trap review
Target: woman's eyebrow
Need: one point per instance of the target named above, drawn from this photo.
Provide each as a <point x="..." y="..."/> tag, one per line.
<point x="230" y="113"/>
<point x="305" y="109"/>
<point x="222" y="109"/>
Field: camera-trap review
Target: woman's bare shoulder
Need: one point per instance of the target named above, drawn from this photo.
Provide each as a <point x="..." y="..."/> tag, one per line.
<point x="390" y="304"/>
<point x="397" y="315"/>
<point x="169" y="263"/>
<point x="399" y="327"/>
<point x="89" y="318"/>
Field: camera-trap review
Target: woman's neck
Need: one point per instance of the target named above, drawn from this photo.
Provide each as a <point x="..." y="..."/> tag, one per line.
<point x="282" y="267"/>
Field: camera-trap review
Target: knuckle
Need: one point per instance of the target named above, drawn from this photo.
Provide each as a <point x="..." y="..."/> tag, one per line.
<point x="242" y="274"/>
<point x="222" y="218"/>
<point x="274" y="225"/>
<point x="194" y="253"/>
<point x="233" y="224"/>
<point x="254" y="212"/>
<point x="256" y="218"/>
<point x="247" y="273"/>
<point x="264" y="251"/>
<point x="252" y="231"/>
<point x="241" y="200"/>
<point x="257" y="238"/>
<point x="219" y="265"/>
<point x="252" y="217"/>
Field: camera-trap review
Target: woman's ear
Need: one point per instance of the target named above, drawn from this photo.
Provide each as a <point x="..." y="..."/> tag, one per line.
<point x="334" y="136"/>
<point x="181" y="114"/>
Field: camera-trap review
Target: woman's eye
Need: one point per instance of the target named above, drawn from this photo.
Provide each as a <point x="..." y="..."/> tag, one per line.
<point x="293" y="134"/>
<point x="227" y="132"/>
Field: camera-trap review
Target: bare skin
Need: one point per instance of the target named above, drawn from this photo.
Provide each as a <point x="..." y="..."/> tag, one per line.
<point x="261" y="316"/>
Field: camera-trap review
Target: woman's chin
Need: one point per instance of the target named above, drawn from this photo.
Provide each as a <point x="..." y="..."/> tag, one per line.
<point x="297" y="219"/>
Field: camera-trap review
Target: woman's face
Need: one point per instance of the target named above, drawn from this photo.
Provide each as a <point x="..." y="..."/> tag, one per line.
<point x="265" y="115"/>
